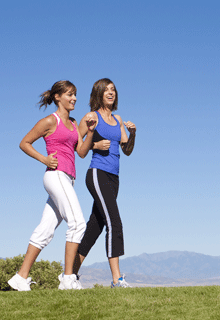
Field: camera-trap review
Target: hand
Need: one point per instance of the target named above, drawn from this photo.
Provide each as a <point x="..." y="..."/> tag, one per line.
<point x="51" y="162"/>
<point x="102" y="145"/>
<point x="91" y="122"/>
<point x="130" y="126"/>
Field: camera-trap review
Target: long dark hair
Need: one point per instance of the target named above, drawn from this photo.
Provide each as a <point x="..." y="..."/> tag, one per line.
<point x="59" y="88"/>
<point x="96" y="96"/>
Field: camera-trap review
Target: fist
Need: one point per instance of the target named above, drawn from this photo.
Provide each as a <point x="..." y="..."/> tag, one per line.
<point x="52" y="162"/>
<point x="130" y="126"/>
<point x="90" y="122"/>
<point x="102" y="145"/>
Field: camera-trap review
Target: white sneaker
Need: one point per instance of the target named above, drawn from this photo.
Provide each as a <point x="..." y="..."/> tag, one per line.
<point x="71" y="282"/>
<point x="121" y="283"/>
<point x="19" y="283"/>
<point x="78" y="282"/>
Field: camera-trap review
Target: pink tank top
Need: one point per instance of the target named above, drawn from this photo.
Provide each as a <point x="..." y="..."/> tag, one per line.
<point x="63" y="141"/>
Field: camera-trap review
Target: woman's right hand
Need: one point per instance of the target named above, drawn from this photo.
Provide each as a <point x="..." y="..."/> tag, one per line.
<point x="102" y="145"/>
<point x="51" y="162"/>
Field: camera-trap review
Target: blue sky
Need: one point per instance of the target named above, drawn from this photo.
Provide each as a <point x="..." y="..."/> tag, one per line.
<point x="163" y="57"/>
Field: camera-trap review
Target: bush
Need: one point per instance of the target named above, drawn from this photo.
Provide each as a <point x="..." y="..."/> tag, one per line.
<point x="44" y="273"/>
<point x="97" y="286"/>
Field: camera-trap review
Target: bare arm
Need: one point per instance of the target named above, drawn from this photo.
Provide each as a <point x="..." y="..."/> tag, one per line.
<point x="41" y="129"/>
<point x="101" y="145"/>
<point x="86" y="127"/>
<point x="83" y="128"/>
<point x="127" y="144"/>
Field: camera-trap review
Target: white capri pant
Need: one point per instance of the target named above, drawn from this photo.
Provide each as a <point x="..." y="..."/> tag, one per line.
<point x="61" y="204"/>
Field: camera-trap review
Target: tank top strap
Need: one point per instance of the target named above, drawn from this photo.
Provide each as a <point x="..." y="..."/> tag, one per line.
<point x="98" y="114"/>
<point x="57" y="117"/>
<point x="116" y="119"/>
<point x="73" y="123"/>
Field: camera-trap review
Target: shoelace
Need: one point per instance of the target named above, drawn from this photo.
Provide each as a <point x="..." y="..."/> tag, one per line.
<point x="78" y="282"/>
<point x="78" y="276"/>
<point x="29" y="282"/>
<point x="124" y="283"/>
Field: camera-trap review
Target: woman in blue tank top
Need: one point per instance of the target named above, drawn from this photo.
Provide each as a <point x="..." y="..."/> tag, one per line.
<point x="102" y="177"/>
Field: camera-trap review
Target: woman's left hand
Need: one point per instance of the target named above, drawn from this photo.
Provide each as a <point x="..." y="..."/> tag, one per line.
<point x="90" y="122"/>
<point x="130" y="126"/>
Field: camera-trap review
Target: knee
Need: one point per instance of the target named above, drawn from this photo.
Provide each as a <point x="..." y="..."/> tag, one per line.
<point x="116" y="228"/>
<point x="76" y="232"/>
<point x="82" y="227"/>
<point x="40" y="241"/>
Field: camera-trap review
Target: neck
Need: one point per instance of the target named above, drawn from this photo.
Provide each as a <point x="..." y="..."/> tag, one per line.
<point x="63" y="113"/>
<point x="105" y="111"/>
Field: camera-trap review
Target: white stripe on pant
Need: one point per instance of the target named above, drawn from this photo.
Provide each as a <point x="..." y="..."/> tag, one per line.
<point x="61" y="204"/>
<point x="97" y="188"/>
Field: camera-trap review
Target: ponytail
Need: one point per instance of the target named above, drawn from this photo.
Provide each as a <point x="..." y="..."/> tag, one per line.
<point x="46" y="99"/>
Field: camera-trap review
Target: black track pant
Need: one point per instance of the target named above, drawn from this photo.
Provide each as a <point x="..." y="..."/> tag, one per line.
<point x="103" y="187"/>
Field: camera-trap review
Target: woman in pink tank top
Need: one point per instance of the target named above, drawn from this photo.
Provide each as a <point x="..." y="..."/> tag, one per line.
<point x="62" y="138"/>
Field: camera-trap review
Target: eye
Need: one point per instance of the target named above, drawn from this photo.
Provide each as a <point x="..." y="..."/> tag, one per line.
<point x="71" y="93"/>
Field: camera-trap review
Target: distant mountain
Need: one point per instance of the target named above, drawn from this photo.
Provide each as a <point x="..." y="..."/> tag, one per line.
<point x="172" y="268"/>
<point x="171" y="264"/>
<point x="91" y="276"/>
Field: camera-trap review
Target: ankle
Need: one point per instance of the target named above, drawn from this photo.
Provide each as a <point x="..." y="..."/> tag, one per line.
<point x="115" y="280"/>
<point x="66" y="276"/>
<point x="23" y="276"/>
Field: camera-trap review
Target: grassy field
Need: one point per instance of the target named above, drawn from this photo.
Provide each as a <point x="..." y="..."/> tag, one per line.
<point x="105" y="303"/>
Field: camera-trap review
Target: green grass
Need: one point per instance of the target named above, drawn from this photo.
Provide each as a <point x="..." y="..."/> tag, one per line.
<point x="104" y="303"/>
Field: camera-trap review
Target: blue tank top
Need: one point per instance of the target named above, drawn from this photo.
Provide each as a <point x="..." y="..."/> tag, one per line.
<point x="107" y="160"/>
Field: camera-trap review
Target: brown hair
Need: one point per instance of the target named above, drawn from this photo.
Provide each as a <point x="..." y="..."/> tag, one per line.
<point x="96" y="96"/>
<point x="59" y="88"/>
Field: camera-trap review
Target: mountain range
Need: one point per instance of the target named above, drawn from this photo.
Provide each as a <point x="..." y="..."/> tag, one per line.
<point x="171" y="268"/>
<point x="172" y="264"/>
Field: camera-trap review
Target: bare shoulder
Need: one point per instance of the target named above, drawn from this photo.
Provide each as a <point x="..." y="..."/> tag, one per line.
<point x="88" y="116"/>
<point x="48" y="121"/>
<point x="47" y="125"/>
<point x="91" y="114"/>
<point x="118" y="118"/>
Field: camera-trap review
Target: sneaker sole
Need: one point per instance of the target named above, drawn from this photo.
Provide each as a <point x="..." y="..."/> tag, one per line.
<point x="13" y="284"/>
<point x="61" y="287"/>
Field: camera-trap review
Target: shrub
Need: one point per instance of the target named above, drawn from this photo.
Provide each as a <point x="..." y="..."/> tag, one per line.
<point x="97" y="286"/>
<point x="44" y="273"/>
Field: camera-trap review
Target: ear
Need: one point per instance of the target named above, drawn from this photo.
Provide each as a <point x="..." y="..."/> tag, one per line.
<point x="57" y="97"/>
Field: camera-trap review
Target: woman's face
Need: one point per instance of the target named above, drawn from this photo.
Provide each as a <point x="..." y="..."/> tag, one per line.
<point x="109" y="95"/>
<point x="67" y="100"/>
